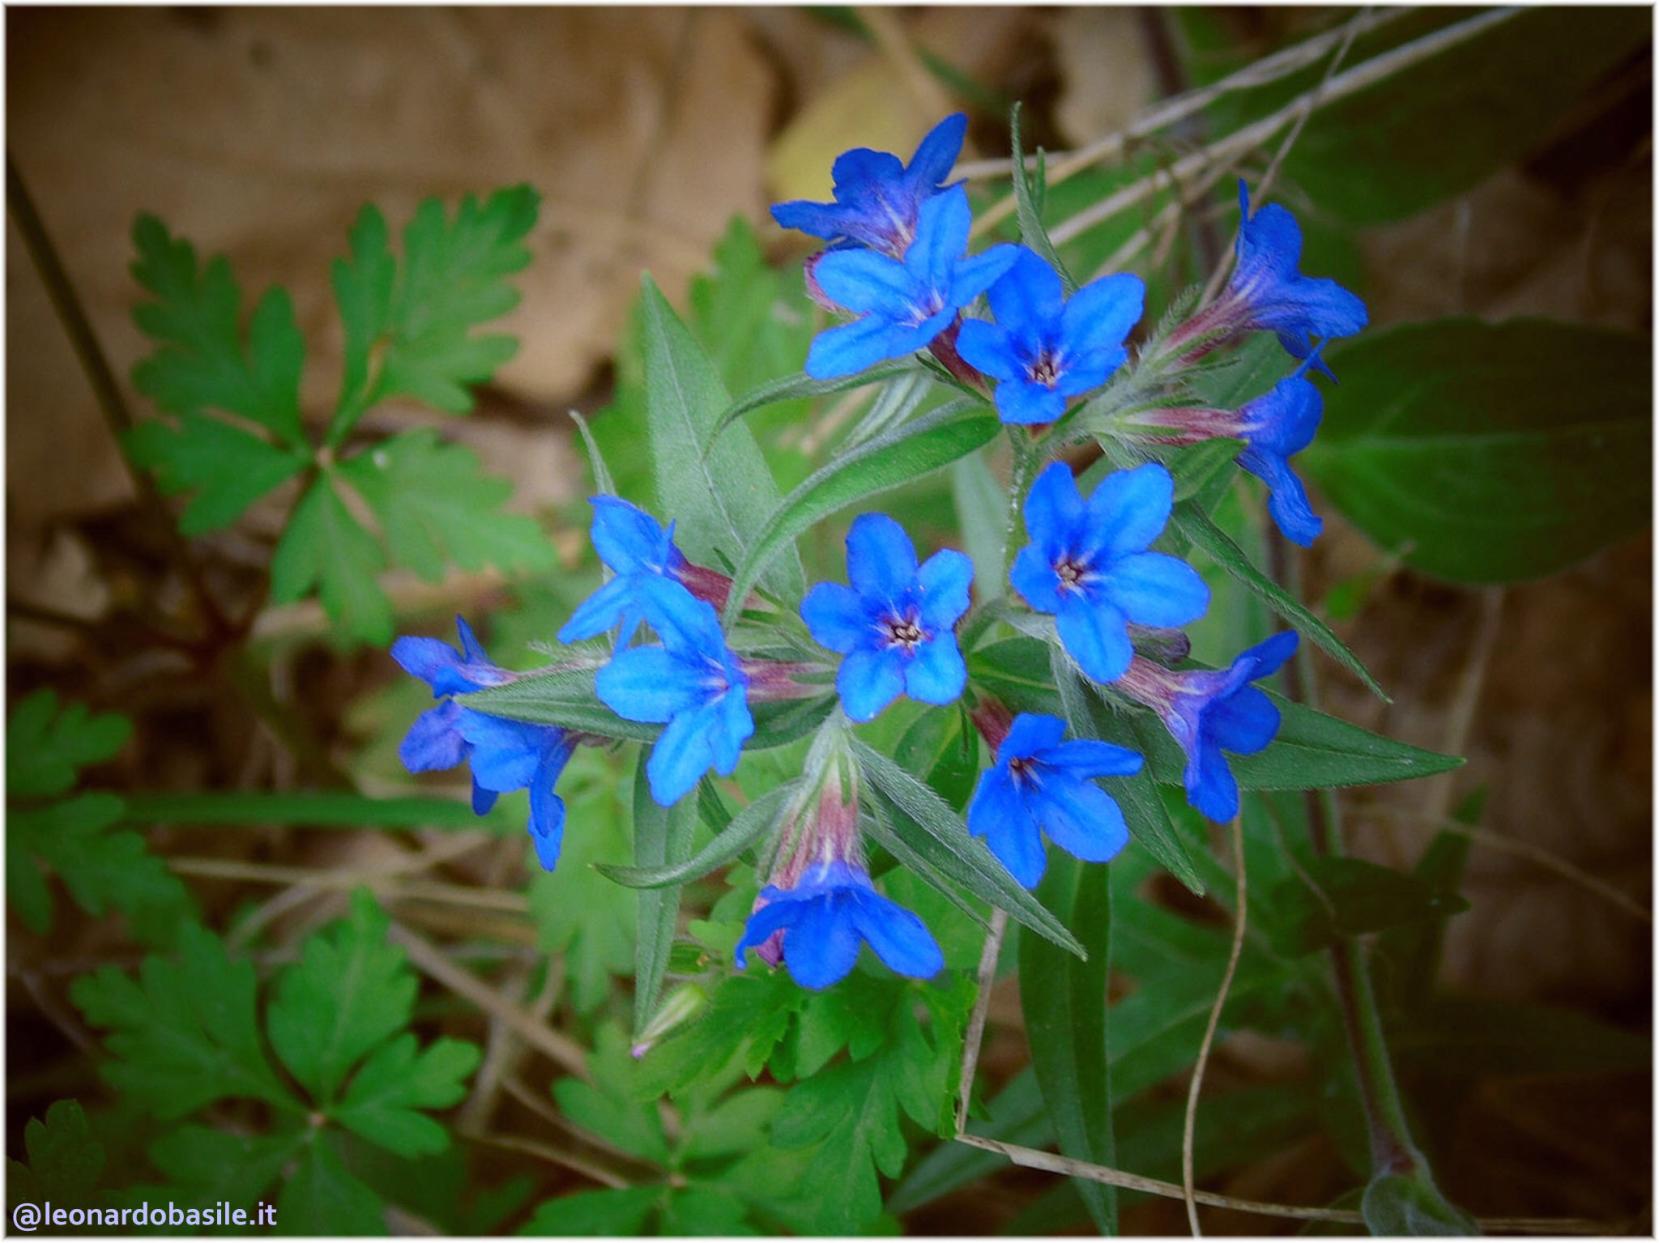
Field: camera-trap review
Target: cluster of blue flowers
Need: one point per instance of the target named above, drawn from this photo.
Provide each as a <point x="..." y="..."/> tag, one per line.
<point x="897" y="266"/>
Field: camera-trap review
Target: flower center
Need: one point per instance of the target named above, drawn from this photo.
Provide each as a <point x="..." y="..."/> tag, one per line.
<point x="1071" y="574"/>
<point x="904" y="632"/>
<point x="1020" y="769"/>
<point x="1045" y="371"/>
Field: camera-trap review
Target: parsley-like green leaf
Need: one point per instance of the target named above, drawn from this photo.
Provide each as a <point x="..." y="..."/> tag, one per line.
<point x="102" y="870"/>
<point x="409" y="330"/>
<point x="435" y="507"/>
<point x="325" y="546"/>
<point x="349" y="992"/>
<point x="324" y="1198"/>
<point x="382" y="1102"/>
<point x="216" y="1165"/>
<point x="226" y="468"/>
<point x="186" y="1032"/>
<point x="45" y="748"/>
<point x="65" y="1159"/>
<point x="204" y="362"/>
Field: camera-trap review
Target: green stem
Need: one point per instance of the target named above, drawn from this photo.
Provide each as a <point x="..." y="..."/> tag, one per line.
<point x="1026" y="455"/>
<point x="1392" y="1149"/>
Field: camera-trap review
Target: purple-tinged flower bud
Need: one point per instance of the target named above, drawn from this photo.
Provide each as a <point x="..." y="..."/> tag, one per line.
<point x="1210" y="711"/>
<point x="821" y="905"/>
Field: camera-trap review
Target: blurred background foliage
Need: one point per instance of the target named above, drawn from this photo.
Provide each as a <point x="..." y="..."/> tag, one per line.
<point x="1506" y="181"/>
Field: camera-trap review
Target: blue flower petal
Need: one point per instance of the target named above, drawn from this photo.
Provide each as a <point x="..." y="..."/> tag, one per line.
<point x="942" y="227"/>
<point x="682" y="754"/>
<point x="944" y="579"/>
<point x="628" y="539"/>
<point x="482" y="800"/>
<point x="937" y="153"/>
<point x="836" y="618"/>
<point x="504" y="753"/>
<point x="1283" y="420"/>
<point x="433" y="743"/>
<point x="899" y="938"/>
<point x="547" y="819"/>
<point x="864" y="281"/>
<point x="868" y="681"/>
<point x="735" y="726"/>
<point x="1096" y="635"/>
<point x="936" y="673"/>
<point x="1082" y="819"/>
<point x="1101" y="314"/>
<point x="987" y="348"/>
<point x="1210" y="784"/>
<point x="1267" y="656"/>
<point x="778" y="913"/>
<point x="1054" y="511"/>
<point x="973" y="276"/>
<point x="1087" y="757"/>
<point x="648" y="684"/>
<point x="1026" y="403"/>
<point x="1243" y="722"/>
<point x="1034" y="578"/>
<point x="862" y="169"/>
<point x="1153" y="589"/>
<point x="427" y="659"/>
<point x="1031" y="733"/>
<point x="881" y="560"/>
<point x="822" y="944"/>
<point x="600" y="611"/>
<point x="1027" y="298"/>
<point x="826" y="220"/>
<point x="999" y="815"/>
<point x="1287" y="499"/>
<point x="1129" y="509"/>
<point x="689" y="627"/>
<point x="858" y="346"/>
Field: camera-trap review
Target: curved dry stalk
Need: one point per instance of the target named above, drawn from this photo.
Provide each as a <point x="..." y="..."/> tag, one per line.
<point x="380" y="881"/>
<point x="432" y="961"/>
<point x="1036" y="1159"/>
<point x="1367" y="73"/>
<point x="975" y="1035"/>
<point x="556" y="1156"/>
<point x="1240" y="922"/>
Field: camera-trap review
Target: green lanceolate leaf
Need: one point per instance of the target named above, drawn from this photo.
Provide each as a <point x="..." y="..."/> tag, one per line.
<point x="1137" y="795"/>
<point x="935" y="832"/>
<point x="1063" y="999"/>
<point x="563" y="697"/>
<point x="1311" y="751"/>
<point x="662" y="838"/>
<point x="1028" y="208"/>
<point x="907" y="453"/>
<point x="981" y="511"/>
<point x="1192" y="522"/>
<point x="437" y="508"/>
<point x="801" y="386"/>
<point x="326" y="548"/>
<point x="744" y="830"/>
<point x="943" y="748"/>
<point x="409" y="327"/>
<point x="1337" y="897"/>
<point x="1489" y="453"/>
<point x="720" y="502"/>
<point x="349" y="992"/>
<point x="186" y="1032"/>
<point x="602" y="479"/>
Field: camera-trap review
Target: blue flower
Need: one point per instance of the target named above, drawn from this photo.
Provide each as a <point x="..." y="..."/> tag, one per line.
<point x="505" y="755"/>
<point x="878" y="199"/>
<point x="693" y="683"/>
<point x="1045" y="349"/>
<point x="896" y="623"/>
<point x="1211" y="711"/>
<point x="637" y="548"/>
<point x="903" y="305"/>
<point x="1276" y="296"/>
<point x="1088" y="564"/>
<point x="824" y="918"/>
<point x="1276" y="425"/>
<point x="1041" y="784"/>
